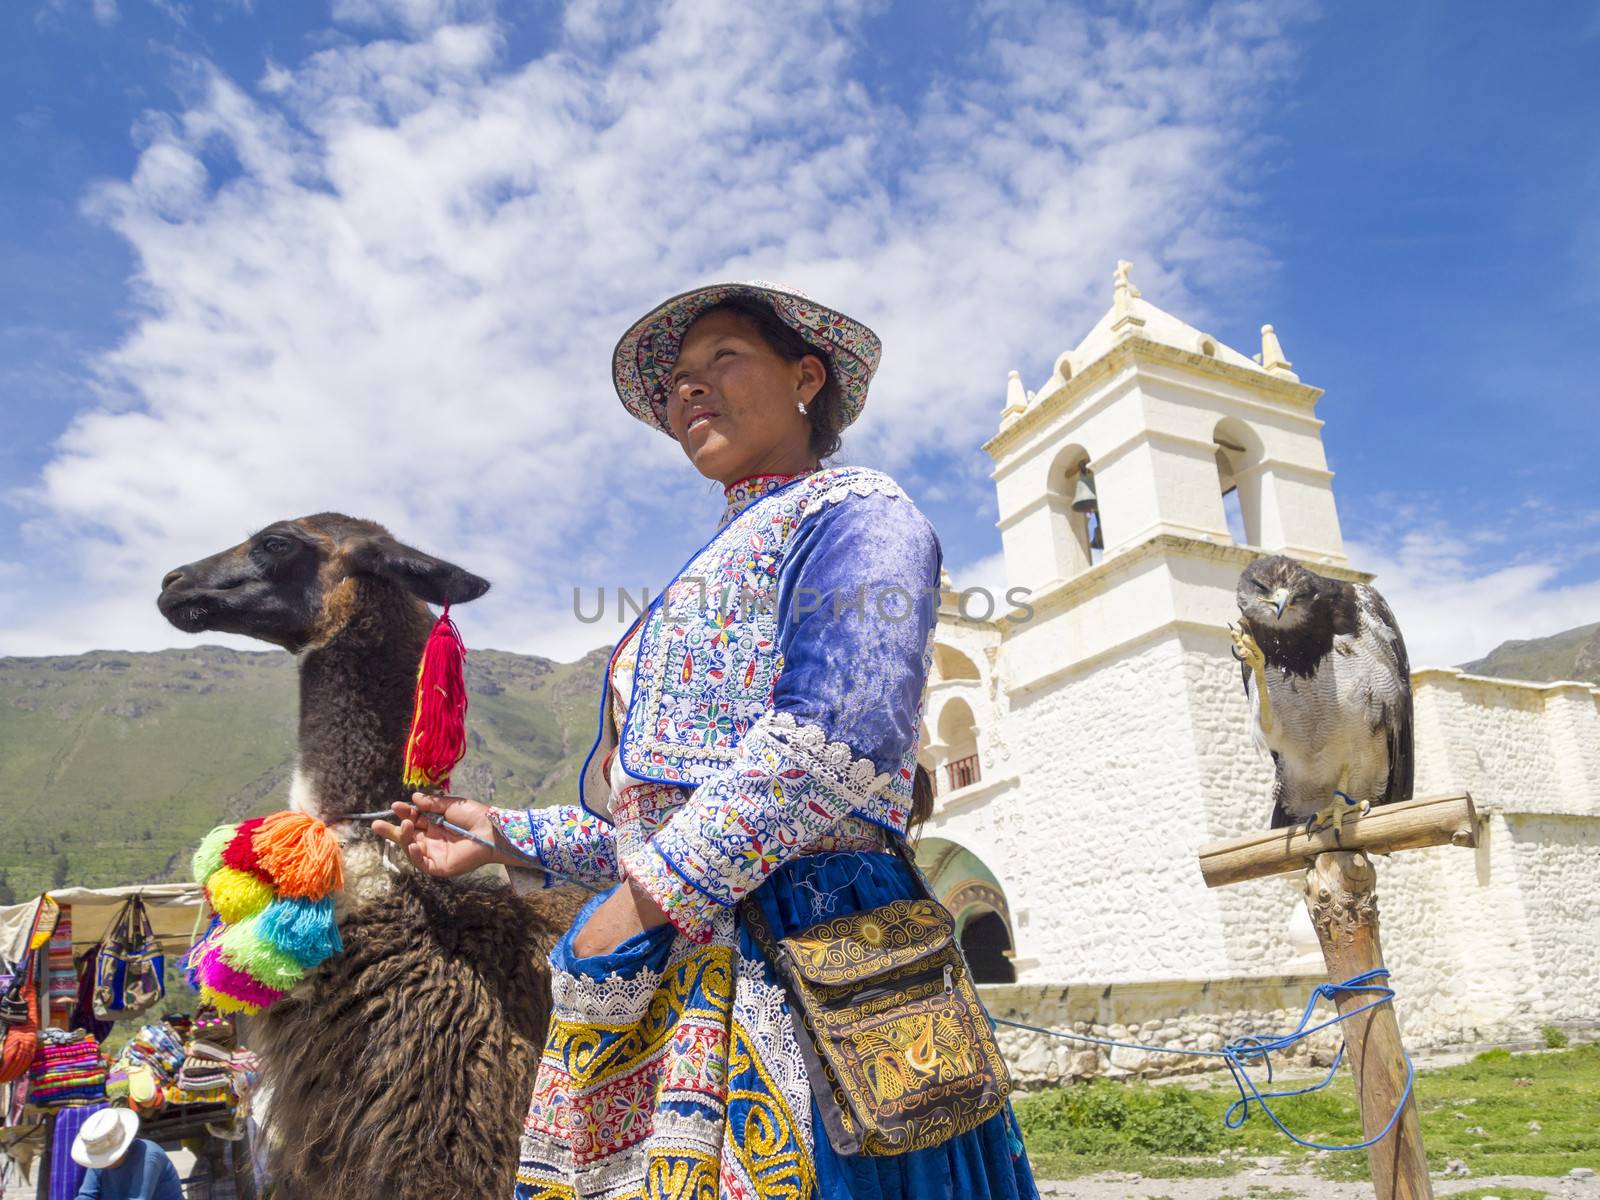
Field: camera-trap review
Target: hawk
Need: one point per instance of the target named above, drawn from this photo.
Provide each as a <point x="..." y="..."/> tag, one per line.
<point x="1326" y="671"/>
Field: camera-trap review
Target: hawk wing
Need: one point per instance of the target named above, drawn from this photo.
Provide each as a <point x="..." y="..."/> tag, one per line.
<point x="1280" y="817"/>
<point x="1396" y="713"/>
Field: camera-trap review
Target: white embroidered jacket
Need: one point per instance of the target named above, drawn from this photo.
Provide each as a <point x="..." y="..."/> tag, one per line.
<point x="779" y="682"/>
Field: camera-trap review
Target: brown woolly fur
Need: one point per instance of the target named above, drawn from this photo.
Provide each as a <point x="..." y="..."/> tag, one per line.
<point x="401" y="1068"/>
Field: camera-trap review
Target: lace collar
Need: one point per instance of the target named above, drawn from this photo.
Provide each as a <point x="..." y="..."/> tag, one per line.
<point x="742" y="494"/>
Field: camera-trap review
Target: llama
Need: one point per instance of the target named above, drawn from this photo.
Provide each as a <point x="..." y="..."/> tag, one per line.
<point x="401" y="1068"/>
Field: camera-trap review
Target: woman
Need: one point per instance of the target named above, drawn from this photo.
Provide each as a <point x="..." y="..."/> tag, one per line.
<point x="758" y="737"/>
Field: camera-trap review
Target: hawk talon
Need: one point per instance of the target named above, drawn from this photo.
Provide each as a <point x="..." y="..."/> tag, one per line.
<point x="1334" y="815"/>
<point x="1245" y="649"/>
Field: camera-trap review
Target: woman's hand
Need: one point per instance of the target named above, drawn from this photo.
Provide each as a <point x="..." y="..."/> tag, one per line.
<point x="627" y="911"/>
<point x="436" y="850"/>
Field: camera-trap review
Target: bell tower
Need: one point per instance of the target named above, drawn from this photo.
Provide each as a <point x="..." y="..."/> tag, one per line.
<point x="1150" y="466"/>
<point x="1146" y="472"/>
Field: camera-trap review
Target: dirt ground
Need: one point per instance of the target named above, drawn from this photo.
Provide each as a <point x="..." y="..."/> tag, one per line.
<point x="1270" y="1180"/>
<point x="1274" y="1179"/>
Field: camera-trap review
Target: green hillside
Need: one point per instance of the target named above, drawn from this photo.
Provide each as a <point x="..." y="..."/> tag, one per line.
<point x="1574" y="654"/>
<point x="113" y="765"/>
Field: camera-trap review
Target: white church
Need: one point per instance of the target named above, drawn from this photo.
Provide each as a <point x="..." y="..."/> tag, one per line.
<point x="1084" y="754"/>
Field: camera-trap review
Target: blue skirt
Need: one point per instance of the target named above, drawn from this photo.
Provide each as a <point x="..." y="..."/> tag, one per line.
<point x="671" y="1071"/>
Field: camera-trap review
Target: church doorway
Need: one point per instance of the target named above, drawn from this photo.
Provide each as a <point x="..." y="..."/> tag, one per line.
<point x="970" y="890"/>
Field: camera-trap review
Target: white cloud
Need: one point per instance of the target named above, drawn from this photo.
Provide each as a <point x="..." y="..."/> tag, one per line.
<point x="387" y="279"/>
<point x="51" y="17"/>
<point x="414" y="16"/>
<point x="1452" y="608"/>
<point x="987" y="572"/>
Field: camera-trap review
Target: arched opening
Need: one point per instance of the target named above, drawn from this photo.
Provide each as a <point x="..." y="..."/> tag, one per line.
<point x="958" y="735"/>
<point x="1077" y="503"/>
<point x="1238" y="452"/>
<point x="986" y="942"/>
<point x="969" y="889"/>
<point x="1208" y="347"/>
<point x="952" y="664"/>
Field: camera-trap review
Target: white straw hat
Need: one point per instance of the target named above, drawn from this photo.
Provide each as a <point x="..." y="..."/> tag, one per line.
<point x="105" y="1137"/>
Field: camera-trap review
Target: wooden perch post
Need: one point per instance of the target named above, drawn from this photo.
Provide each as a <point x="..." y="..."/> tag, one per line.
<point x="1341" y="894"/>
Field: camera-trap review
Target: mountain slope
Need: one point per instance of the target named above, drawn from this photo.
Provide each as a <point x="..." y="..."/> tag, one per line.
<point x="113" y="765"/>
<point x="1573" y="654"/>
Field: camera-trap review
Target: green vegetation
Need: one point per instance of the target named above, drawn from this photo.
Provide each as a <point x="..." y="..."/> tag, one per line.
<point x="1501" y="1114"/>
<point x="1554" y="1038"/>
<point x="114" y="765"/>
<point x="1573" y="654"/>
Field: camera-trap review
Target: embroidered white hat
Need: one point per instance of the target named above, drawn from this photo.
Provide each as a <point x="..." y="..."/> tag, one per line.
<point x="105" y="1137"/>
<point x="645" y="355"/>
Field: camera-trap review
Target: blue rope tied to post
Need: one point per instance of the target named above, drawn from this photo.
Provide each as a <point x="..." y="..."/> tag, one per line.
<point x="1240" y="1052"/>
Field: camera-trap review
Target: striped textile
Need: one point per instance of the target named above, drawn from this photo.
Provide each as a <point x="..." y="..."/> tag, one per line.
<point x="66" y="1176"/>
<point x="62" y="972"/>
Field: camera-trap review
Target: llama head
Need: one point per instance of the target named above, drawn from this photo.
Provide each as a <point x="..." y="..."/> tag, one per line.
<point x="296" y="583"/>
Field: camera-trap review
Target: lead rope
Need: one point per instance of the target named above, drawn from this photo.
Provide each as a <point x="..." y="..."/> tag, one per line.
<point x="1240" y="1052"/>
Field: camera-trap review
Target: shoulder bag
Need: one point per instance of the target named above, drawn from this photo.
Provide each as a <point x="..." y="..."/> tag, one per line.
<point x="899" y="1050"/>
<point x="21" y="1037"/>
<point x="130" y="968"/>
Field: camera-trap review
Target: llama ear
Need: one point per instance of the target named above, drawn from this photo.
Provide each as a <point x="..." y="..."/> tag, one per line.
<point x="429" y="578"/>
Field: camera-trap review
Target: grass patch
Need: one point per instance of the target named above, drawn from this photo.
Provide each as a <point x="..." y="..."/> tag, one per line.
<point x="1478" y="1112"/>
<point x="1503" y="1193"/>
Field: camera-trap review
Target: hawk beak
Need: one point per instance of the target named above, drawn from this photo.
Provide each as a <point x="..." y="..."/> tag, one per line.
<point x="1280" y="600"/>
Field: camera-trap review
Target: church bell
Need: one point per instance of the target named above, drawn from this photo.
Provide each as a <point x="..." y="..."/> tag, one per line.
<point x="1085" y="501"/>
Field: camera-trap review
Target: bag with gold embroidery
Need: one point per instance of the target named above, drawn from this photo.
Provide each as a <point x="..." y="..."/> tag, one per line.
<point x="899" y="1049"/>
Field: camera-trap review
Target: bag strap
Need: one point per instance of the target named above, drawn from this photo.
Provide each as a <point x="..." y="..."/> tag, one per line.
<point x="147" y="932"/>
<point x="761" y="931"/>
<point x="901" y="845"/>
<point x="28" y="962"/>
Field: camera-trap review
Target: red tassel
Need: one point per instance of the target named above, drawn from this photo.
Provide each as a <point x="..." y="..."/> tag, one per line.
<point x="240" y="852"/>
<point x="438" y="737"/>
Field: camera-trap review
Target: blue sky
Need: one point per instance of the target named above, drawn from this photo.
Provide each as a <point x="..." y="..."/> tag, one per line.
<point x="269" y="258"/>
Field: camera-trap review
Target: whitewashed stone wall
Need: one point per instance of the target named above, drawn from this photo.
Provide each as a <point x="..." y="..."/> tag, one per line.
<point x="1190" y="1014"/>
<point x="1100" y="787"/>
<point x="1493" y="944"/>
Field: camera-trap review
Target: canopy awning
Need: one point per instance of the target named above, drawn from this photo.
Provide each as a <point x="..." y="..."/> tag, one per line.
<point x="173" y="909"/>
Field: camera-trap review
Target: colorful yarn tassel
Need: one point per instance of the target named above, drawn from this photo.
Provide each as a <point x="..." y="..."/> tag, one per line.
<point x="302" y="929"/>
<point x="236" y="895"/>
<point x="208" y="855"/>
<point x="245" y="949"/>
<point x="300" y="854"/>
<point x="240" y="852"/>
<point x="230" y="990"/>
<point x="438" y="737"/>
<point x="270" y="881"/>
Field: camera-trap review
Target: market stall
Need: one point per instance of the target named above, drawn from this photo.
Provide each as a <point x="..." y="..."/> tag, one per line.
<point x="111" y="1030"/>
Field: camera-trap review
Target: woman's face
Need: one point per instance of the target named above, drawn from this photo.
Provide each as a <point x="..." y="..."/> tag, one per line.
<point x="731" y="401"/>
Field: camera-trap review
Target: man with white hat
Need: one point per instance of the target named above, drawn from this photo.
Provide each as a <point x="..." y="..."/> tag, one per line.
<point x="122" y="1166"/>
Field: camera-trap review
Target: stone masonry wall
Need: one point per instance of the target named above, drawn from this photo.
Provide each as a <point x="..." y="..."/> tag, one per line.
<point x="1183" y="1013"/>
